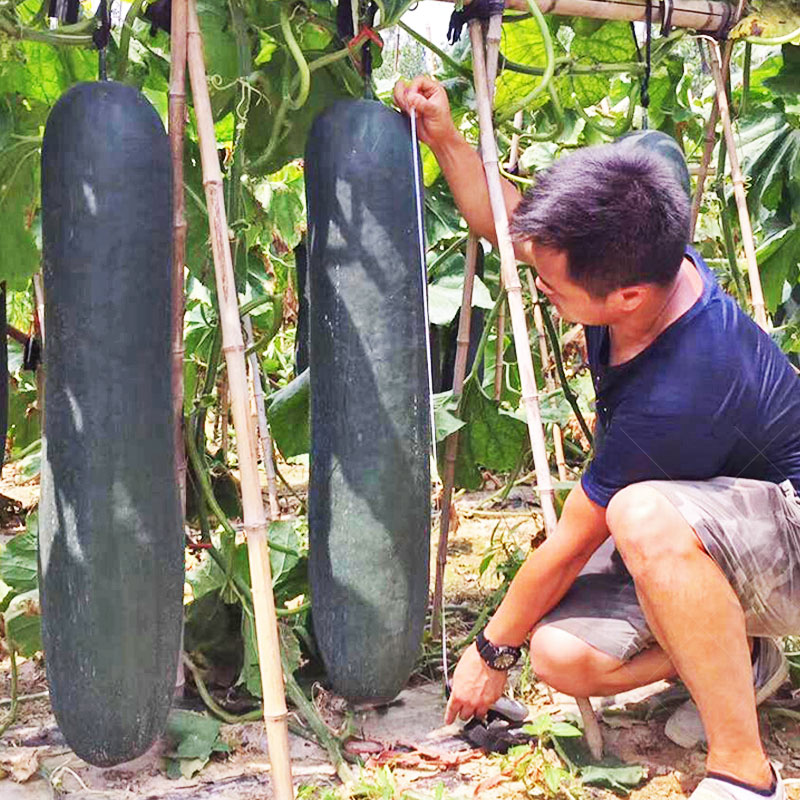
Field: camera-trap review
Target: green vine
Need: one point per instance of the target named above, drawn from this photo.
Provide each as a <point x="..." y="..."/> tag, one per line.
<point x="549" y="70"/>
<point x="304" y="74"/>
<point x="125" y="37"/>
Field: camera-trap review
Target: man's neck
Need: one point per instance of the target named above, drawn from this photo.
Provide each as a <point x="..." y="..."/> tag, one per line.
<point x="631" y="336"/>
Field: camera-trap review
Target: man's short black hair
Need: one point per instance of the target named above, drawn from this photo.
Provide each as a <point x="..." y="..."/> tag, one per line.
<point x="620" y="215"/>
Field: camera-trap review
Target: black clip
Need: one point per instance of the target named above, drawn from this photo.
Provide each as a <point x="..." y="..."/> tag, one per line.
<point x="667" y="7"/>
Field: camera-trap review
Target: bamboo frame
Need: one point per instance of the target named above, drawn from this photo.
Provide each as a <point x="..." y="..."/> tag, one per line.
<point x="737" y="178"/>
<point x="451" y="445"/>
<point x="707" y="16"/>
<point x="508" y="268"/>
<point x="177" y="128"/>
<point x="510" y="276"/>
<point x="255" y="523"/>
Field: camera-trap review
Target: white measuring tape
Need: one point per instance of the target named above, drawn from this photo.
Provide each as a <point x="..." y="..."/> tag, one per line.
<point x="418" y="191"/>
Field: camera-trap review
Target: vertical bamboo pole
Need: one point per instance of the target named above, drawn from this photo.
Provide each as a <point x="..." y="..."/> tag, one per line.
<point x="738" y="189"/>
<point x="508" y="269"/>
<point x="544" y="355"/>
<point x="451" y="445"/>
<point x="177" y="130"/>
<point x="708" y="150"/>
<point x="255" y="523"/>
<point x="224" y="413"/>
<point x="494" y="33"/>
<point x="177" y="127"/>
<point x="265" y="440"/>
<point x="711" y="134"/>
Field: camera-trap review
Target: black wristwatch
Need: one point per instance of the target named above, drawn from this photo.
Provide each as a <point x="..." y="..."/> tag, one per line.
<point x="497" y="656"/>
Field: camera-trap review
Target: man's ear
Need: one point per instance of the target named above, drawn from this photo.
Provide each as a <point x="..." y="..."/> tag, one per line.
<point x="629" y="298"/>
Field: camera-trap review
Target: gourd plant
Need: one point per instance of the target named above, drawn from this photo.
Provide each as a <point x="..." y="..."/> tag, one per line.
<point x="272" y="68"/>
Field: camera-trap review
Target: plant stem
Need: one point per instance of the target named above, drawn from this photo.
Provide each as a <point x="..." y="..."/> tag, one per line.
<point x="555" y="347"/>
<point x="56" y="37"/>
<point x="12" y="712"/>
<point x="727" y="232"/>
<point x="302" y="65"/>
<point x="201" y="471"/>
<point x="451" y="62"/>
<point x="125" y="37"/>
<point x="211" y="704"/>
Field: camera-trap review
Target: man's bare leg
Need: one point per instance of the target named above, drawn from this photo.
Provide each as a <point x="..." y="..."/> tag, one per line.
<point x="572" y="666"/>
<point x="697" y="619"/>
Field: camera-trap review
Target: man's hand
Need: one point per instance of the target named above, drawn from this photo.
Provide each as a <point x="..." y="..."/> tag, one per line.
<point x="429" y="99"/>
<point x="475" y="687"/>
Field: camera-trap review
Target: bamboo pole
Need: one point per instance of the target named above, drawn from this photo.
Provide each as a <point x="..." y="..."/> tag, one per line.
<point x="451" y="445"/>
<point x="224" y="413"/>
<point x="255" y="523"/>
<point x="265" y="440"/>
<point x="756" y="292"/>
<point x="544" y="355"/>
<point x="706" y="16"/>
<point x="530" y="396"/>
<point x="508" y="269"/>
<point x="711" y="135"/>
<point x="177" y="128"/>
<point x="708" y="150"/>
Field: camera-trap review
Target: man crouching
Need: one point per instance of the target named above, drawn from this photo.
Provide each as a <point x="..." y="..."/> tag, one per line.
<point x="679" y="551"/>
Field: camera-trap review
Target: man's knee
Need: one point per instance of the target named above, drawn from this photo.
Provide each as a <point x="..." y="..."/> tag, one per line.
<point x="567" y="663"/>
<point x="647" y="529"/>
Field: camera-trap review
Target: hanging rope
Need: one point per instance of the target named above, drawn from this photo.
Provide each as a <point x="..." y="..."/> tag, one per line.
<point x="101" y="38"/>
<point x="477" y="9"/>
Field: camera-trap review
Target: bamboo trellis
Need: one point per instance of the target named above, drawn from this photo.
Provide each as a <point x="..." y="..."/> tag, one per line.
<point x="706" y="16"/>
<point x="255" y="522"/>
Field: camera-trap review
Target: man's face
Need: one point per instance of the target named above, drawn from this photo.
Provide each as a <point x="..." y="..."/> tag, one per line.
<point x="572" y="301"/>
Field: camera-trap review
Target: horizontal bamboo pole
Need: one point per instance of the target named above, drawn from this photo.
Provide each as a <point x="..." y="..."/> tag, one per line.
<point x="707" y="16"/>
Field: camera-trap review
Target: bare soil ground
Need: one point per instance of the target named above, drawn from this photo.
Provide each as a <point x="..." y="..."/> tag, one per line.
<point x="408" y="737"/>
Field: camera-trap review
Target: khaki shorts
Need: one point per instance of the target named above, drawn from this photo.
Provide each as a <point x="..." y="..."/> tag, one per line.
<point x="752" y="531"/>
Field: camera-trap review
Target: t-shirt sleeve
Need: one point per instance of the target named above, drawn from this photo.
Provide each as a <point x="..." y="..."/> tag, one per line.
<point x="639" y="446"/>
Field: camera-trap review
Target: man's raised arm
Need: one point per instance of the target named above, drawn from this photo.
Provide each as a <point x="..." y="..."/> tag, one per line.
<point x="461" y="165"/>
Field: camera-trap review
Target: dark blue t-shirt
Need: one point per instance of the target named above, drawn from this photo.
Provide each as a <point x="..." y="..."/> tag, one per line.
<point x="713" y="395"/>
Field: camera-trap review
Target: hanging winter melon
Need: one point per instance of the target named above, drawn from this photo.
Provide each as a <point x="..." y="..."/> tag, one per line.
<point x="369" y="491"/>
<point x="111" y="541"/>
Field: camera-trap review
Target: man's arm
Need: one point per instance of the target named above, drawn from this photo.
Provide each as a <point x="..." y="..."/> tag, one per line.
<point x="461" y="165"/>
<point x="541" y="582"/>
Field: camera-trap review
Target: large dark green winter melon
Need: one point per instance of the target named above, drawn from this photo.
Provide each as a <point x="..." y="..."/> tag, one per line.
<point x="369" y="492"/>
<point x="110" y="537"/>
<point x="663" y="145"/>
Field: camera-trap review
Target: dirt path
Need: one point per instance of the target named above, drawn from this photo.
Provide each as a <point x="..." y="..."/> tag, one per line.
<point x="407" y="738"/>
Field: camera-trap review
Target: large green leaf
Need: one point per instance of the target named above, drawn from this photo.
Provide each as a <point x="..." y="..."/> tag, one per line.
<point x="444" y="298"/>
<point x="191" y="739"/>
<point x="288" y="414"/>
<point x="492" y="437"/>
<point x="778" y="259"/>
<point x="522" y="43"/>
<point x="612" y="42"/>
<point x="18" y="559"/>
<point x="23" y="622"/>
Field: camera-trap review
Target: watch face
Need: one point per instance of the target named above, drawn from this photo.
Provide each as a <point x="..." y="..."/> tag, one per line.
<point x="504" y="660"/>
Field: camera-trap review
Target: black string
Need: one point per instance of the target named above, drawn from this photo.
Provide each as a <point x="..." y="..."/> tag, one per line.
<point x="366" y="51"/>
<point x="648" y="63"/>
<point x="102" y="36"/>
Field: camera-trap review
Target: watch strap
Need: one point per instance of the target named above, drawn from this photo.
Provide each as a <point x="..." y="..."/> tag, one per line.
<point x="500" y="657"/>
